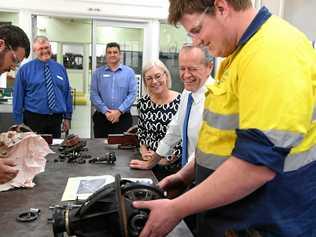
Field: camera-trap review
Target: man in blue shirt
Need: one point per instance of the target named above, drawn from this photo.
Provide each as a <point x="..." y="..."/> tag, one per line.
<point x="113" y="91"/>
<point x="14" y="46"/>
<point x="41" y="97"/>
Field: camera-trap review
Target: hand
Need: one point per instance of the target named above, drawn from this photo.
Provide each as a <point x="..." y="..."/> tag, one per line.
<point x="143" y="149"/>
<point x="148" y="155"/>
<point x="142" y="165"/>
<point x="116" y="115"/>
<point x="148" y="164"/>
<point x="113" y="115"/>
<point x="174" y="185"/>
<point x="66" y="125"/>
<point x="7" y="170"/>
<point x="162" y="219"/>
<point x="108" y="116"/>
<point x="145" y="152"/>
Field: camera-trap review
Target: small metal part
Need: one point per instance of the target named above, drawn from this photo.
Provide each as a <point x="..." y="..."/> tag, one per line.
<point x="81" y="161"/>
<point x="67" y="220"/>
<point x="109" y="158"/>
<point x="28" y="216"/>
<point x="126" y="147"/>
<point x="85" y="156"/>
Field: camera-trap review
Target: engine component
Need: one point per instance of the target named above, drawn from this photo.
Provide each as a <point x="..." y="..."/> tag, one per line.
<point x="109" y="158"/>
<point x="125" y="140"/>
<point x="20" y="128"/>
<point x="71" y="149"/>
<point x="48" y="138"/>
<point x="108" y="212"/>
<point x="29" y="216"/>
<point x="72" y="143"/>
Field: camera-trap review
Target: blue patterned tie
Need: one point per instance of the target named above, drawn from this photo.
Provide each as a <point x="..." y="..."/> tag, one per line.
<point x="50" y="88"/>
<point x="185" y="131"/>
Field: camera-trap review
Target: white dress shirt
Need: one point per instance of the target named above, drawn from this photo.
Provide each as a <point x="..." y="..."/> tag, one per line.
<point x="174" y="132"/>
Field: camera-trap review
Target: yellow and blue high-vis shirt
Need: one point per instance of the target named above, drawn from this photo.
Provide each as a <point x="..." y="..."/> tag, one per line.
<point x="263" y="110"/>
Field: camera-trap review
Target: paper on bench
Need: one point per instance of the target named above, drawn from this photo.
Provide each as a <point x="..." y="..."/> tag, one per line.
<point x="82" y="187"/>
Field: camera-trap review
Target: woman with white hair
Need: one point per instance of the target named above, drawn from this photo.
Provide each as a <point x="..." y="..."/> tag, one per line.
<point x="155" y="110"/>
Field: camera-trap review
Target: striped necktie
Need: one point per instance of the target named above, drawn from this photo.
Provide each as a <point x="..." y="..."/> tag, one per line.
<point x="185" y="131"/>
<point x="50" y="88"/>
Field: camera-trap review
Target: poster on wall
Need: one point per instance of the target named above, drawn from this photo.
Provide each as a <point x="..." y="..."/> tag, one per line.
<point x="73" y="56"/>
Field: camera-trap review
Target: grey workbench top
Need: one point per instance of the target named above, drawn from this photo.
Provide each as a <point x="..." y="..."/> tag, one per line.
<point x="50" y="186"/>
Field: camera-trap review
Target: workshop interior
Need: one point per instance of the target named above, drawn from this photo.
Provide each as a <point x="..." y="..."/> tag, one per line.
<point x="79" y="184"/>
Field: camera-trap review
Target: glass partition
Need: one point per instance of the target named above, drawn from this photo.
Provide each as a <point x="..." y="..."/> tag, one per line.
<point x="71" y="46"/>
<point x="79" y="45"/>
<point x="6" y="80"/>
<point x="171" y="41"/>
<point x="131" y="40"/>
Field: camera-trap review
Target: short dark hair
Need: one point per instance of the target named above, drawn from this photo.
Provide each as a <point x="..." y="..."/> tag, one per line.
<point x="113" y="45"/>
<point x="178" y="8"/>
<point x="15" y="37"/>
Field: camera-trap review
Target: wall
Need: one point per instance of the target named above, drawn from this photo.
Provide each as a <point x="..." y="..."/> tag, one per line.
<point x="149" y="9"/>
<point x="65" y="29"/>
<point x="301" y="13"/>
<point x="171" y="39"/>
<point x="9" y="16"/>
<point x="129" y="39"/>
<point x="275" y="6"/>
<point x="13" y="18"/>
<point x="76" y="31"/>
<point x="79" y="31"/>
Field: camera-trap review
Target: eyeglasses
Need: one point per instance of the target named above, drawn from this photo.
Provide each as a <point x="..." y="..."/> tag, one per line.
<point x="15" y="58"/>
<point x="198" y="25"/>
<point x="157" y="77"/>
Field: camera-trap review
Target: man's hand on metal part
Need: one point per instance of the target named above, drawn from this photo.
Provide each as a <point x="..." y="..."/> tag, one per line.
<point x="173" y="181"/>
<point x="7" y="170"/>
<point x="174" y="185"/>
<point x="162" y="219"/>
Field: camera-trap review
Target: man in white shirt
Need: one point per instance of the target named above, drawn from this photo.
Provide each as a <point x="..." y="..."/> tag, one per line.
<point x="195" y="67"/>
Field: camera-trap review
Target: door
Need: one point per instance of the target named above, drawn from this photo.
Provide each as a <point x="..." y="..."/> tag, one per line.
<point x="130" y="37"/>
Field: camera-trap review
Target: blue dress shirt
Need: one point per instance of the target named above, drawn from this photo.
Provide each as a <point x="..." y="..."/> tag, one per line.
<point x="30" y="92"/>
<point x="113" y="89"/>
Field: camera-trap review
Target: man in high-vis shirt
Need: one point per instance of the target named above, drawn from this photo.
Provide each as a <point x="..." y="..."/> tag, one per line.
<point x="255" y="160"/>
